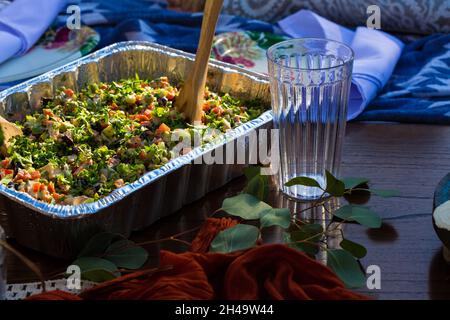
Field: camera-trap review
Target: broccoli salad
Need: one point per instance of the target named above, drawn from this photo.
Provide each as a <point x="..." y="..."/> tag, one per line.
<point x="81" y="146"/>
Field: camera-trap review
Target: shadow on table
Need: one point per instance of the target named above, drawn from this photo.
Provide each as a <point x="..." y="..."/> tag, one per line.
<point x="386" y="233"/>
<point x="439" y="269"/>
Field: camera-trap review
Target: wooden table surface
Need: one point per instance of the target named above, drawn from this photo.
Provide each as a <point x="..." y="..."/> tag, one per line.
<point x="410" y="158"/>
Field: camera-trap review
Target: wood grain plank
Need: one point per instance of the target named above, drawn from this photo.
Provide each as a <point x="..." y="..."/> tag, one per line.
<point x="410" y="158"/>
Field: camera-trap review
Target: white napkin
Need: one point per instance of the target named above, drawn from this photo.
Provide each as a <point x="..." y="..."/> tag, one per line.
<point x="376" y="53"/>
<point x="23" y="22"/>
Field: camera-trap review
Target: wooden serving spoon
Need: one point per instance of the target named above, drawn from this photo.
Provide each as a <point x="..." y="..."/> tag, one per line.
<point x="191" y="97"/>
<point x="7" y="131"/>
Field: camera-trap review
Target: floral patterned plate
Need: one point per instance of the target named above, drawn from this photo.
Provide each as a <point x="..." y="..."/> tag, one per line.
<point x="55" y="49"/>
<point x="246" y="49"/>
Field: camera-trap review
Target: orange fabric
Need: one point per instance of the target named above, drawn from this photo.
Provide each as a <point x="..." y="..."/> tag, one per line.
<point x="54" y="295"/>
<point x="208" y="232"/>
<point x="272" y="271"/>
<point x="184" y="281"/>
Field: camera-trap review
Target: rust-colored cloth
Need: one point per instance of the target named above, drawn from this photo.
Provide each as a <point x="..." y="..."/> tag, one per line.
<point x="272" y="271"/>
<point x="208" y="232"/>
<point x="54" y="295"/>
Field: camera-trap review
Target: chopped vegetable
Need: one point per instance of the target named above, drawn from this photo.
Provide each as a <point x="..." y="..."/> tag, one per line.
<point x="82" y="145"/>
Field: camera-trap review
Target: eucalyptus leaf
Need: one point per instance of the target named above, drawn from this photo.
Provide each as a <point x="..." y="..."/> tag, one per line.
<point x="92" y="267"/>
<point x="351" y="183"/>
<point x="251" y="172"/>
<point x="309" y="248"/>
<point x="311" y="231"/>
<point x="98" y="244"/>
<point x="126" y="254"/>
<point x="357" y="250"/>
<point x="304" y="181"/>
<point x="276" y="217"/>
<point x="239" y="237"/>
<point x="258" y="186"/>
<point x="245" y="206"/>
<point x="98" y="275"/>
<point x="362" y="215"/>
<point x="346" y="268"/>
<point x="385" y="193"/>
<point x="335" y="187"/>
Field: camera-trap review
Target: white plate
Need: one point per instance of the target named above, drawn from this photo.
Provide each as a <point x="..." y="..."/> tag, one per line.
<point x="55" y="49"/>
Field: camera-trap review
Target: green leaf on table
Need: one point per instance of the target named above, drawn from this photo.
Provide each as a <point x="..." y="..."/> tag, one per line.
<point x="239" y="237"/>
<point x="385" y="193"/>
<point x="258" y="186"/>
<point x="98" y="244"/>
<point x="311" y="249"/>
<point x="310" y="233"/>
<point x="126" y="254"/>
<point x="98" y="275"/>
<point x="245" y="206"/>
<point x="251" y="172"/>
<point x="362" y="215"/>
<point x="357" y="250"/>
<point x="346" y="268"/>
<point x="276" y="217"/>
<point x="96" y="269"/>
<point x="351" y="183"/>
<point x="335" y="187"/>
<point x="303" y="181"/>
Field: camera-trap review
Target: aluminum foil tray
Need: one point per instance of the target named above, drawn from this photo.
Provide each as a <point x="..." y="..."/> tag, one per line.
<point x="62" y="231"/>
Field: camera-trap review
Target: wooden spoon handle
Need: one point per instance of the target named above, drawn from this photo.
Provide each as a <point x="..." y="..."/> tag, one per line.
<point x="191" y="96"/>
<point x="210" y="17"/>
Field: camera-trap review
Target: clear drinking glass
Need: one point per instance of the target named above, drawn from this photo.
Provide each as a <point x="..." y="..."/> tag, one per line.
<point x="310" y="83"/>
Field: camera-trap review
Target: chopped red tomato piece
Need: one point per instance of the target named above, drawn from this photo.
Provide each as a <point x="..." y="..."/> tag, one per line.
<point x="35" y="175"/>
<point x="163" y="128"/>
<point x="206" y="106"/>
<point x="48" y="112"/>
<point x="5" y="163"/>
<point x="36" y="187"/>
<point x="218" y="110"/>
<point x="141" y="117"/>
<point x="57" y="196"/>
<point x="69" y="93"/>
<point x="51" y="187"/>
<point x="170" y="95"/>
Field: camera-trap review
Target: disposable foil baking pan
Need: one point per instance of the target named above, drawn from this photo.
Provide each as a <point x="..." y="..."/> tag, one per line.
<point x="63" y="230"/>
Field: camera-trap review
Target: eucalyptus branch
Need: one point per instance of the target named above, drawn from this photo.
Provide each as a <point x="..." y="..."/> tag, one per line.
<point x="171" y="238"/>
<point x="304" y="241"/>
<point x="297" y="232"/>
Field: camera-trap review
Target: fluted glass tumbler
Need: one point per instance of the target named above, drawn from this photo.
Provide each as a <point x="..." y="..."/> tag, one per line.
<point x="310" y="84"/>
